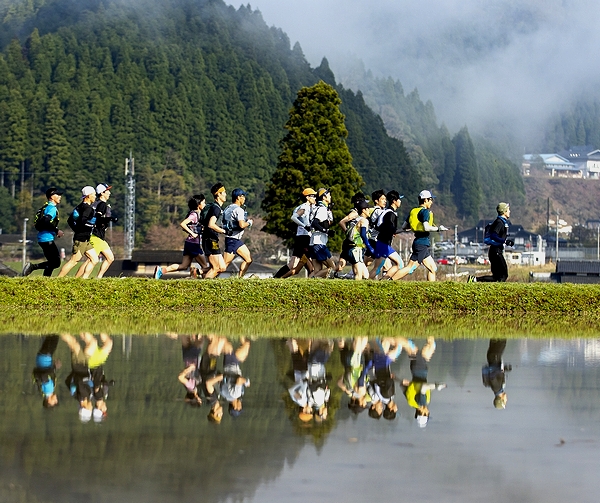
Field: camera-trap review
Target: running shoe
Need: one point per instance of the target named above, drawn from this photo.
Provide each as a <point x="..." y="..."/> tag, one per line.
<point x="27" y="270"/>
<point x="158" y="272"/>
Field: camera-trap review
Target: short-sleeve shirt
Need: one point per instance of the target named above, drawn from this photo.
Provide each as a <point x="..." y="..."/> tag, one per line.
<point x="47" y="236"/>
<point x="237" y="214"/>
<point x="193" y="225"/>
<point x="214" y="211"/>
<point x="322" y="214"/>
<point x="422" y="238"/>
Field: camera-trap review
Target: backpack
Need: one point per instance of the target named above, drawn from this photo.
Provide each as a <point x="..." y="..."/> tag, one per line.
<point x="229" y="224"/>
<point x="487" y="235"/>
<point x="72" y="219"/>
<point x="350" y="230"/>
<point x="37" y="219"/>
<point x="204" y="214"/>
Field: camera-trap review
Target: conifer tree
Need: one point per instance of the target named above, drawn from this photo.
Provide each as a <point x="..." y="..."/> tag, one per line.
<point x="466" y="188"/>
<point x="56" y="148"/>
<point x="314" y="154"/>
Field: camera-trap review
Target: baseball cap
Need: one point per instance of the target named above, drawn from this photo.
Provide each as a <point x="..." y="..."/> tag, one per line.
<point x="87" y="190"/>
<point x="53" y="190"/>
<point x="361" y="205"/>
<point x="102" y="187"/>
<point x="98" y="415"/>
<point x="502" y="208"/>
<point x="422" y="421"/>
<point x="85" y="414"/>
<point x="425" y="194"/>
<point x="235" y="193"/>
<point x="321" y="192"/>
<point x="308" y="192"/>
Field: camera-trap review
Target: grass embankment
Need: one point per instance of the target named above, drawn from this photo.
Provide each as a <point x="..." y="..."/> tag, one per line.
<point x="298" y="307"/>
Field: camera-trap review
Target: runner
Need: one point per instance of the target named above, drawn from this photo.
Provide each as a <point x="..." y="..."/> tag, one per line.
<point x="420" y="221"/>
<point x="212" y="229"/>
<point x="98" y="238"/>
<point x="321" y="223"/>
<point x="85" y="219"/>
<point x="235" y="219"/>
<point x="46" y="223"/>
<point x="386" y="227"/>
<point x="191" y="246"/>
<point x="300" y="256"/>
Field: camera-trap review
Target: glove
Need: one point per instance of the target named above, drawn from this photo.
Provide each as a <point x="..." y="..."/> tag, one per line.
<point x="442" y="228"/>
<point x="308" y="228"/>
<point x="331" y="232"/>
<point x="510" y="242"/>
<point x="114" y="219"/>
<point x="250" y="222"/>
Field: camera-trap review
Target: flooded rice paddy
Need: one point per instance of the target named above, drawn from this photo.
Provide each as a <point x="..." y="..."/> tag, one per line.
<point x="296" y="438"/>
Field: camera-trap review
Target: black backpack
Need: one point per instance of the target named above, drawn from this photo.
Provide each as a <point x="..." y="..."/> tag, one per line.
<point x="38" y="223"/>
<point x="72" y="219"/>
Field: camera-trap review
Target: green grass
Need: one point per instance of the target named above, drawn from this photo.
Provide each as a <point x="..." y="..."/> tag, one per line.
<point x="314" y="308"/>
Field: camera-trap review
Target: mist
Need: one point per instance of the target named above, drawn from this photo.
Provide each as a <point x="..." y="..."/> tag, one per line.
<point x="494" y="65"/>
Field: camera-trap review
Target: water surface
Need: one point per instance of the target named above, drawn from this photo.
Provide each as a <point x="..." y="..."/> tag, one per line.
<point x="152" y="447"/>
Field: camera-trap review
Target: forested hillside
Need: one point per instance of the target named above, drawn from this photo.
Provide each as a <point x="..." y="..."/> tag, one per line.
<point x="196" y="90"/>
<point x="471" y="173"/>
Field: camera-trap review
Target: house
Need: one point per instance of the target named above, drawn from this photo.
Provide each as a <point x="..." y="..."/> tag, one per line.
<point x="553" y="165"/>
<point x="586" y="159"/>
<point x="523" y="239"/>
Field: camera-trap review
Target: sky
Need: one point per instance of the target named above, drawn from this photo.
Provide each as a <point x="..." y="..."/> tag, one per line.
<point x="513" y="62"/>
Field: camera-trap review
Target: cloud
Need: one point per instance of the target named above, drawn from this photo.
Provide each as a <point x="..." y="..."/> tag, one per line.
<point x="498" y="61"/>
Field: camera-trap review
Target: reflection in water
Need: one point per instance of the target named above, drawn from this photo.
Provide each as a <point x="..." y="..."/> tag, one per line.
<point x="494" y="373"/>
<point x="44" y="372"/>
<point x="418" y="391"/>
<point x="297" y="429"/>
<point x="87" y="383"/>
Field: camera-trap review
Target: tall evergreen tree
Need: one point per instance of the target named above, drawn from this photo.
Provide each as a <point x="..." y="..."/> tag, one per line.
<point x="13" y="130"/>
<point x="314" y="153"/>
<point x="466" y="189"/>
<point x="56" y="149"/>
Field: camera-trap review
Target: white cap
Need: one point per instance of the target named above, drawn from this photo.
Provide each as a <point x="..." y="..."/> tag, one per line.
<point x="85" y="414"/>
<point x="425" y="194"/>
<point x="88" y="190"/>
<point x="422" y="421"/>
<point x="102" y="187"/>
<point x="98" y="415"/>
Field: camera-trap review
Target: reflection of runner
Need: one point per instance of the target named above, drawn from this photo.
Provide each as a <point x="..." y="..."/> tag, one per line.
<point x="380" y="380"/>
<point x="352" y="382"/>
<point x="210" y="376"/>
<point x="234" y="383"/>
<point x="417" y="391"/>
<point x="494" y="374"/>
<point x="86" y="382"/>
<point x="44" y="373"/>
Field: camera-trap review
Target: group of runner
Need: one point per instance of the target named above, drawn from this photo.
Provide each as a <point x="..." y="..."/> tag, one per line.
<point x="86" y="382"/>
<point x="89" y="221"/>
<point x="367" y="380"/>
<point x="369" y="230"/>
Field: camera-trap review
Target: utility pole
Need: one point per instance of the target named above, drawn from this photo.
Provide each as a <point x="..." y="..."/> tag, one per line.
<point x="129" y="226"/>
<point x="455" y="247"/>
<point x="24" y="255"/>
<point x="556" y="256"/>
